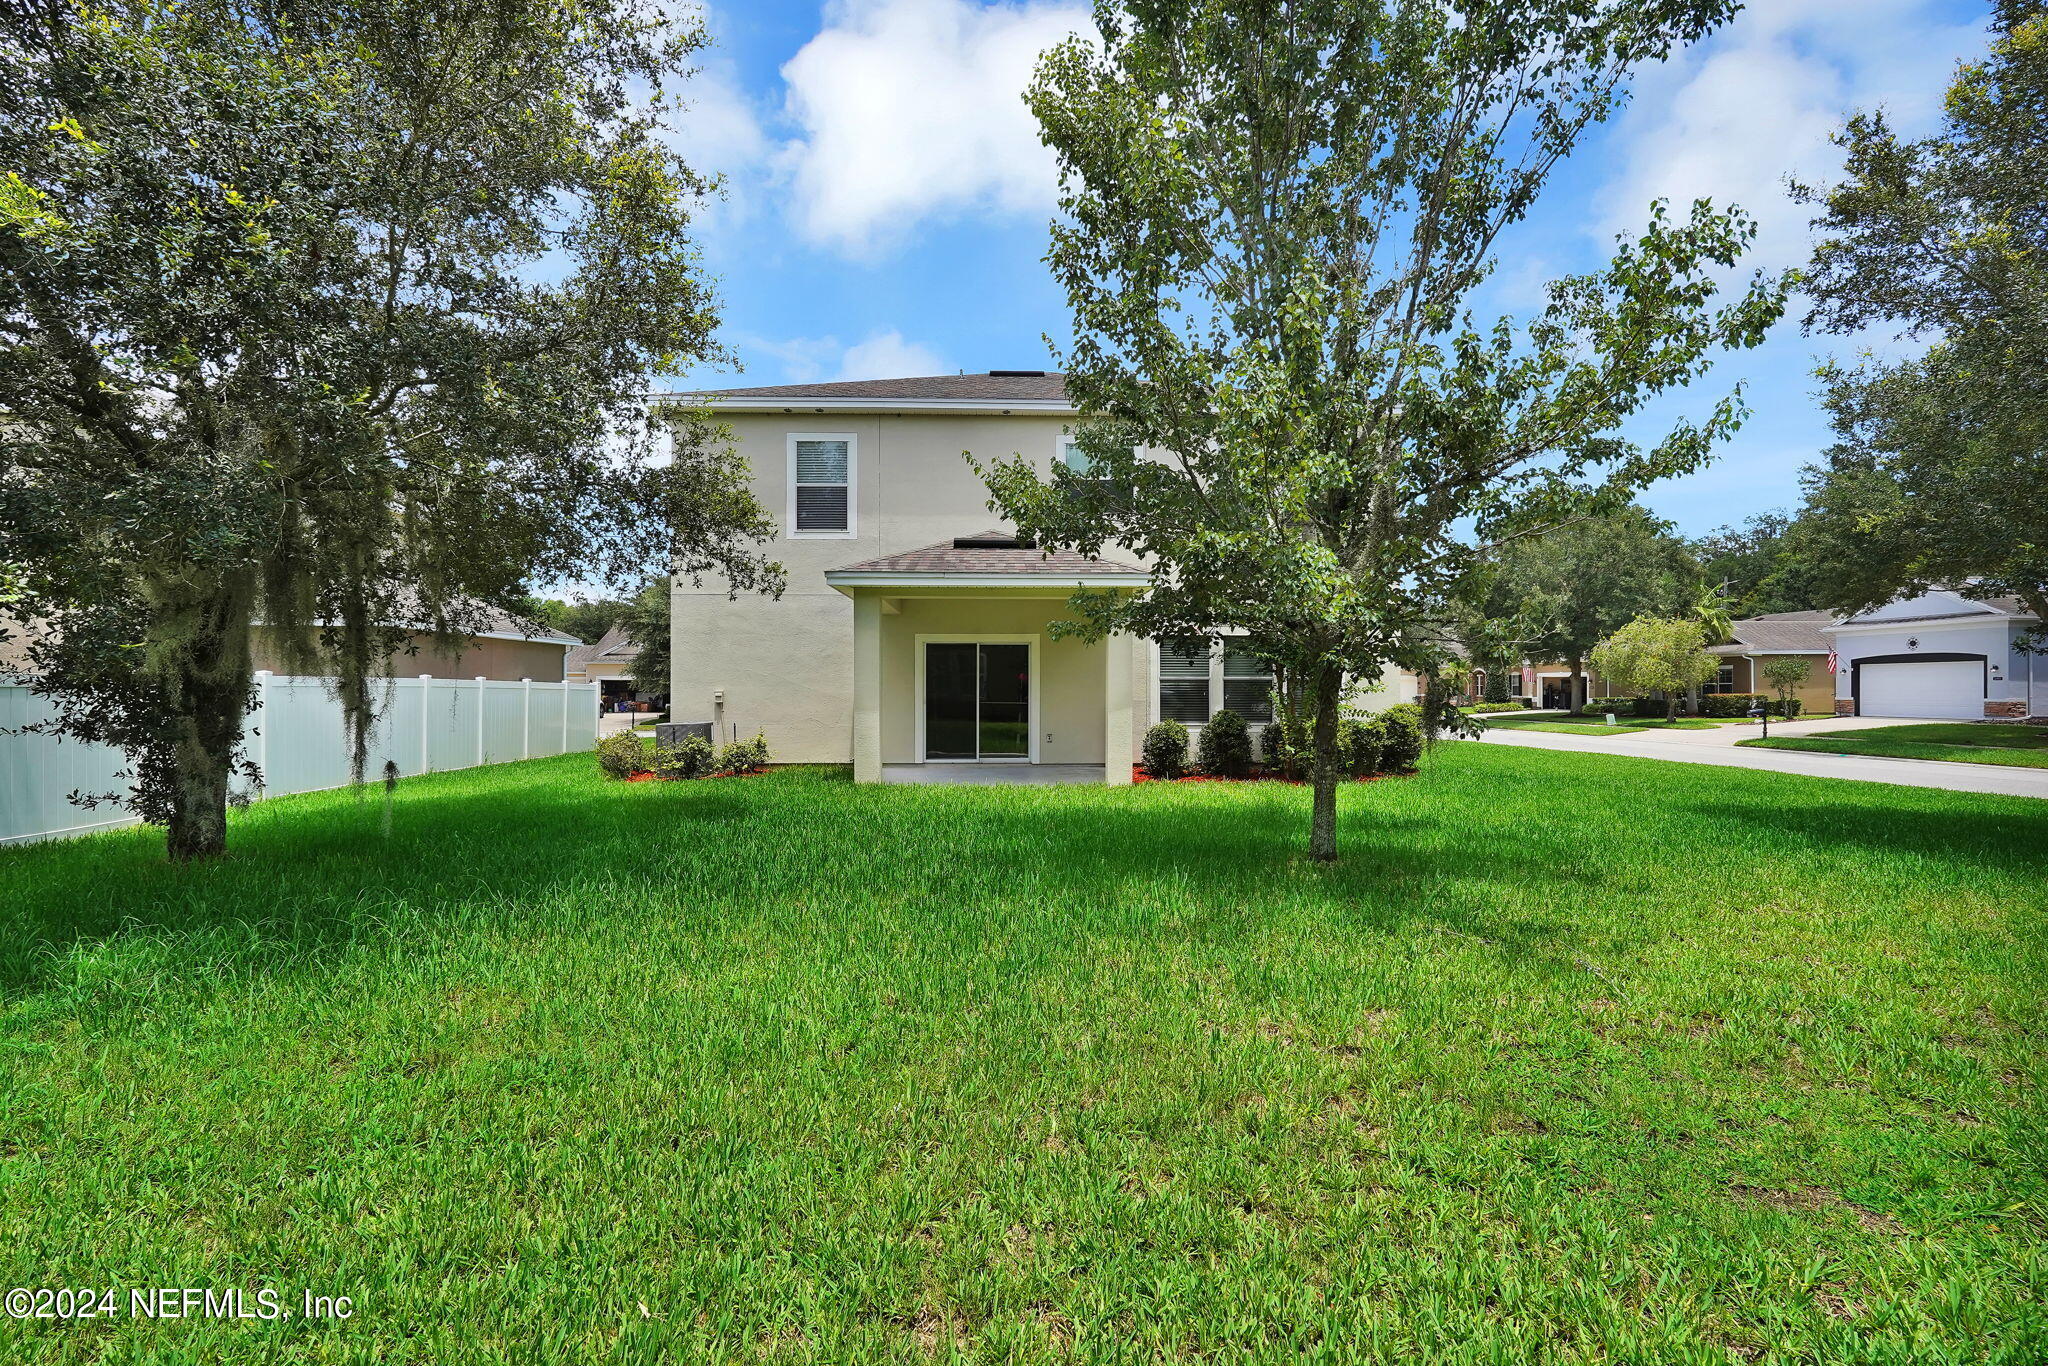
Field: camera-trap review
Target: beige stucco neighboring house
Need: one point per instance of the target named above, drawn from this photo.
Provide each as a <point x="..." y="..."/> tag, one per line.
<point x="912" y="631"/>
<point x="506" y="649"/>
<point x="608" y="661"/>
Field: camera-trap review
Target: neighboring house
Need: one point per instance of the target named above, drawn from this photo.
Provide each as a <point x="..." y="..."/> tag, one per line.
<point x="1939" y="654"/>
<point x="912" y="632"/>
<point x="609" y="661"/>
<point x="1756" y="641"/>
<point x="507" y="650"/>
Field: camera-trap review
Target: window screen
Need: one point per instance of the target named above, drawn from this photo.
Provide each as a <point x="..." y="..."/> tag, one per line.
<point x="1184" y="681"/>
<point x="822" y="494"/>
<point x="1247" y="683"/>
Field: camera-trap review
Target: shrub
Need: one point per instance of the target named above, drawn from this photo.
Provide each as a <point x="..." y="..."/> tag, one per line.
<point x="1729" y="703"/>
<point x="1400" y="738"/>
<point x="621" y="755"/>
<point x="1621" y="706"/>
<point x="1226" y="749"/>
<point x="688" y="758"/>
<point x="744" y="756"/>
<point x="1284" y="744"/>
<point x="1166" y="750"/>
<point x="1358" y="744"/>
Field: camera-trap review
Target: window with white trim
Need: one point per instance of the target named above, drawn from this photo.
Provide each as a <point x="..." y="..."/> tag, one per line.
<point x="1722" y="682"/>
<point x="1247" y="682"/>
<point x="1068" y="452"/>
<point x="1196" y="681"/>
<point x="821" y="480"/>
<point x="1184" y="682"/>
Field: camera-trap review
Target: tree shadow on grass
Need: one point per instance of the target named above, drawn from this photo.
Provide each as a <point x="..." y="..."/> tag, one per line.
<point x="311" y="877"/>
<point x="1964" y="835"/>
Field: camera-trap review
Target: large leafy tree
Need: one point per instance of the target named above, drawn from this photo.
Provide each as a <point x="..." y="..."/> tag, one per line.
<point x="330" y="316"/>
<point x="646" y="622"/>
<point x="1274" y="215"/>
<point x="1567" y="591"/>
<point x="1766" y="564"/>
<point x="1657" y="654"/>
<point x="1938" y="475"/>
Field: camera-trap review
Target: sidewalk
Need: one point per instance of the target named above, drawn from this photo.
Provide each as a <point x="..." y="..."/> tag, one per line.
<point x="1684" y="746"/>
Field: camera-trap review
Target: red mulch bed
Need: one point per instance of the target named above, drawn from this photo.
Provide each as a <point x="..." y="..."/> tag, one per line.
<point x="643" y="776"/>
<point x="1139" y="775"/>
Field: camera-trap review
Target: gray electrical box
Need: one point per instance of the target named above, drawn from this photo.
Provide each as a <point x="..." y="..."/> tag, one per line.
<point x="673" y="732"/>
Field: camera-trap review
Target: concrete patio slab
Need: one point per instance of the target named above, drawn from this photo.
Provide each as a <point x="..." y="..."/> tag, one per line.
<point x="984" y="775"/>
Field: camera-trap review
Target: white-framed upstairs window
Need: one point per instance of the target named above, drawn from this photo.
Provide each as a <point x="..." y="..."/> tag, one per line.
<point x="823" y="468"/>
<point x="1069" y="453"/>
<point x="1196" y="681"/>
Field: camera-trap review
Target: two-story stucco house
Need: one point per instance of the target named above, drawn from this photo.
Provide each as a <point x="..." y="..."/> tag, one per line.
<point x="914" y="631"/>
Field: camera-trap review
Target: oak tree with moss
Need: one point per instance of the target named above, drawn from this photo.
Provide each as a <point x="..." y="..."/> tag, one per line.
<point x="330" y="317"/>
<point x="1275" y="214"/>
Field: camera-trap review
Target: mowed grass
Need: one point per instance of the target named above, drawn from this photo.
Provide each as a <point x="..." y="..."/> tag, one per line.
<point x="1574" y="1058"/>
<point x="2004" y="746"/>
<point x="1596" y="726"/>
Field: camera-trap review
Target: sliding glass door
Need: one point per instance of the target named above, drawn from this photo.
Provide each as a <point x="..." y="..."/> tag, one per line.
<point x="977" y="701"/>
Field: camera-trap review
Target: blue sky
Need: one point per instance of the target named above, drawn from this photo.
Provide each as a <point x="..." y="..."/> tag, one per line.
<point x="888" y="197"/>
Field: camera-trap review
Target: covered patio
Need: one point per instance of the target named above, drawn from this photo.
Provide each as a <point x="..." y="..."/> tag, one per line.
<point x="959" y="677"/>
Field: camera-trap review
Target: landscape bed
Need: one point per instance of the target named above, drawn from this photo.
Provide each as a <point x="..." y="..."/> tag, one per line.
<point x="1572" y="1058"/>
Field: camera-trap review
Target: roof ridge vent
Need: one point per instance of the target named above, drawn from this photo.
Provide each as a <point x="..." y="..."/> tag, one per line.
<point x="1016" y="374"/>
<point x="993" y="540"/>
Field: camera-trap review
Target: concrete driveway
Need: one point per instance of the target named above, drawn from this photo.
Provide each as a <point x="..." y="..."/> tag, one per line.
<point x="1717" y="746"/>
<point x="1725" y="736"/>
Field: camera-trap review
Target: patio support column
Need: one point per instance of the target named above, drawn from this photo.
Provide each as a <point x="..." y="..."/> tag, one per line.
<point x="1116" y="748"/>
<point x="867" y="688"/>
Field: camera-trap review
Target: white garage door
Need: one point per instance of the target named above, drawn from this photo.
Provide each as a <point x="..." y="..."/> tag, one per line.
<point x="1951" y="688"/>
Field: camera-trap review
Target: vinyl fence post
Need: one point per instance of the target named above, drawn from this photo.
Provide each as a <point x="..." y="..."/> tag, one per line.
<point x="526" y="718"/>
<point x="479" y="721"/>
<point x="426" y="733"/>
<point x="262" y="728"/>
<point x="565" y="720"/>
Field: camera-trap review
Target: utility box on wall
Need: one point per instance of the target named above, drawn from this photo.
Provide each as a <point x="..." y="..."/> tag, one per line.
<point x="673" y="732"/>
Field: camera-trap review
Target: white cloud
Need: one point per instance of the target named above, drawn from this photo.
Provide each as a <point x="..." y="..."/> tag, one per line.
<point x="801" y="360"/>
<point x="914" y="108"/>
<point x="1733" y="117"/>
<point x="886" y="355"/>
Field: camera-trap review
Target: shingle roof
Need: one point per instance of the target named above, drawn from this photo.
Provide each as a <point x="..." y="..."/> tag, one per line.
<point x="1023" y="386"/>
<point x="991" y="552"/>
<point x="613" y="644"/>
<point x="1779" y="631"/>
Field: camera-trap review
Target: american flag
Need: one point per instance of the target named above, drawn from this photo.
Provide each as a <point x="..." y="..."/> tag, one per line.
<point x="1831" y="662"/>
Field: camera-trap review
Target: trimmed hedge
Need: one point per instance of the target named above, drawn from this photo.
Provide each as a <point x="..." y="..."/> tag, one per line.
<point x="1166" y="750"/>
<point x="621" y="754"/>
<point x="1226" y="748"/>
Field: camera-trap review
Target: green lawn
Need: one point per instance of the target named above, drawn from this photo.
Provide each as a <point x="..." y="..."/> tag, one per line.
<point x="2013" y="746"/>
<point x="1624" y="725"/>
<point x="1574" y="1058"/>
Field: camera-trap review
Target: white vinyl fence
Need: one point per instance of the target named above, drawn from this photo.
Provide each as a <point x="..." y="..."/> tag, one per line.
<point x="298" y="742"/>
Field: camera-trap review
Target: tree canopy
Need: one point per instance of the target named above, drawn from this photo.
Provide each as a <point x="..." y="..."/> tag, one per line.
<point x="1657" y="654"/>
<point x="337" y="318"/>
<point x="1273" y="216"/>
<point x="1563" y="593"/>
<point x="1937" y="476"/>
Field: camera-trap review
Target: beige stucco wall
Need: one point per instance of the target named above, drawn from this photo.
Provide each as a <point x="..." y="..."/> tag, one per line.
<point x="1069" y="724"/>
<point x="1816" y="694"/>
<point x="786" y="667"/>
<point x="507" y="660"/>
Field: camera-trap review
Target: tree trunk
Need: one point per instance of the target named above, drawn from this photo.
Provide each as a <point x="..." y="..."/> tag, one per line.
<point x="1327" y="684"/>
<point x="1576" y="702"/>
<point x="207" y="677"/>
<point x="1671" y="705"/>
